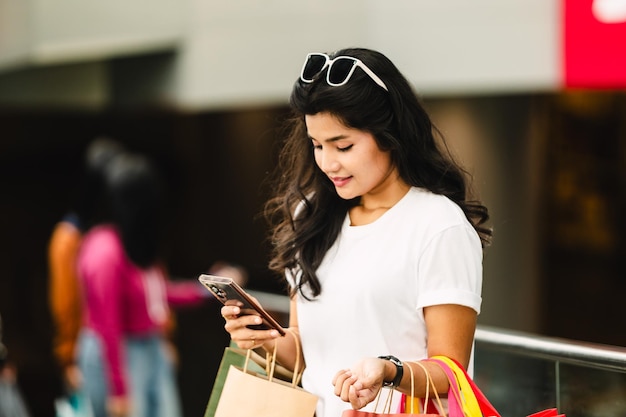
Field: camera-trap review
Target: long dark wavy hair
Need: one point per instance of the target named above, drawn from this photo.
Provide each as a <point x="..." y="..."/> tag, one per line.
<point x="305" y="212"/>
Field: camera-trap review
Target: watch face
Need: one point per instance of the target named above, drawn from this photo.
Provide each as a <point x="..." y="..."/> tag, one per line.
<point x="395" y="360"/>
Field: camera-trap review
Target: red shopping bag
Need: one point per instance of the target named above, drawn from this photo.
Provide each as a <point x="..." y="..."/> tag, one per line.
<point x="465" y="399"/>
<point x="550" y="412"/>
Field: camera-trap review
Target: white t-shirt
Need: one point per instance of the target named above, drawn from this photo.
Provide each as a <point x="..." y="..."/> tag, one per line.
<point x="376" y="279"/>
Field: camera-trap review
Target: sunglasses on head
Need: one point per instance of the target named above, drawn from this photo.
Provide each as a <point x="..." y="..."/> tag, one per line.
<point x="340" y="69"/>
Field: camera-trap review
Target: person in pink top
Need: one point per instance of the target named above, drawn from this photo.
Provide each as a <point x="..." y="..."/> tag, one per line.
<point x="127" y="296"/>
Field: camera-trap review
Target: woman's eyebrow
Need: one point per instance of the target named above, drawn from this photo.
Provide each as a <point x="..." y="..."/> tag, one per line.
<point x="330" y="140"/>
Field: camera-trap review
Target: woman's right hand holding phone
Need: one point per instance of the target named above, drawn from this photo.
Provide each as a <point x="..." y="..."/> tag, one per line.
<point x="245" y="337"/>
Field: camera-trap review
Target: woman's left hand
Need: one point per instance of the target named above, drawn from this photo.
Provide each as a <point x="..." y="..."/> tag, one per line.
<point x="360" y="385"/>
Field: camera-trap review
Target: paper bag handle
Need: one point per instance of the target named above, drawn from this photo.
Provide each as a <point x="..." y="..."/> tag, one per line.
<point x="298" y="368"/>
<point x="270" y="366"/>
<point x="429" y="384"/>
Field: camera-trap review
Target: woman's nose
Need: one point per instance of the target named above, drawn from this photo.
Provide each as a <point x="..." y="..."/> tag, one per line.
<point x="327" y="162"/>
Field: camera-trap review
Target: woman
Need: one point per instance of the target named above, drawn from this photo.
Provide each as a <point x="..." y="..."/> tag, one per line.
<point x="123" y="351"/>
<point x="379" y="237"/>
<point x="64" y="294"/>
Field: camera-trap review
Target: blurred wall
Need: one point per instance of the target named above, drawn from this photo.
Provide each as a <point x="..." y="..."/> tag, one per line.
<point x="230" y="54"/>
<point x="494" y="138"/>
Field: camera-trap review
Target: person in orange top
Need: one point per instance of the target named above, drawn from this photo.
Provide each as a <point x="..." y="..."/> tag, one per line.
<point x="65" y="298"/>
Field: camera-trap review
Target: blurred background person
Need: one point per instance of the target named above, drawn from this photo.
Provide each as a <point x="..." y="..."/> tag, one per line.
<point x="11" y="402"/>
<point x="125" y="301"/>
<point x="123" y="349"/>
<point x="64" y="292"/>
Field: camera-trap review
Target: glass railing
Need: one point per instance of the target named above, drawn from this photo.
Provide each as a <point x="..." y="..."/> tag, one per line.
<point x="522" y="373"/>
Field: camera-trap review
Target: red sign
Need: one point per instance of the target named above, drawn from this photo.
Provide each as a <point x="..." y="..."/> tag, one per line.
<point x="595" y="43"/>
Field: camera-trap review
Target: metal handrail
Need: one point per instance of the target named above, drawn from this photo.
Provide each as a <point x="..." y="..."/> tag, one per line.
<point x="591" y="355"/>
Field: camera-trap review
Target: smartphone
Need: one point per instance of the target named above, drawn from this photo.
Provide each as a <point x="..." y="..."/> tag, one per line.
<point x="228" y="292"/>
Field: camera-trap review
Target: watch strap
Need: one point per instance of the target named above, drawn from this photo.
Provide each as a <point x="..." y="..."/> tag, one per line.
<point x="399" y="371"/>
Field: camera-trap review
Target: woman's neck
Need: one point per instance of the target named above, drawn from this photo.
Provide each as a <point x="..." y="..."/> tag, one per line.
<point x="376" y="203"/>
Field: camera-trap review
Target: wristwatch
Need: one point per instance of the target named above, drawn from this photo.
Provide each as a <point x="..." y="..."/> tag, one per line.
<point x="399" y="371"/>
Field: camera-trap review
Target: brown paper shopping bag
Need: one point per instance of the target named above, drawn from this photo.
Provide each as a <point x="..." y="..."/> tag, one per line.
<point x="232" y="356"/>
<point x="237" y="356"/>
<point x="246" y="393"/>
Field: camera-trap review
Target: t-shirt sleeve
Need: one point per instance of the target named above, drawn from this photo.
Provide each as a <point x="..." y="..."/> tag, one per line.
<point x="450" y="269"/>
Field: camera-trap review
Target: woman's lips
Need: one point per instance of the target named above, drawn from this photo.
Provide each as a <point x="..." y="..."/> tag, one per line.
<point x="340" y="181"/>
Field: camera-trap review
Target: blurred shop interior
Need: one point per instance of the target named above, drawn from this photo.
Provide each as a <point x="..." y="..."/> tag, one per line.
<point x="202" y="89"/>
